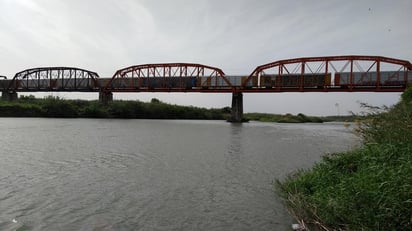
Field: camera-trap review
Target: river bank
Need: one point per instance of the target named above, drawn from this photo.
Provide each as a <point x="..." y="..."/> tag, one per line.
<point x="55" y="107"/>
<point x="368" y="188"/>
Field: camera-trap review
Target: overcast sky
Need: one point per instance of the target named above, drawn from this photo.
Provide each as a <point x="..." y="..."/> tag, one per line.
<point x="236" y="36"/>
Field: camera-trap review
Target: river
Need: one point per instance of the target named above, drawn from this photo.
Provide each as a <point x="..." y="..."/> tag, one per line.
<point x="112" y="174"/>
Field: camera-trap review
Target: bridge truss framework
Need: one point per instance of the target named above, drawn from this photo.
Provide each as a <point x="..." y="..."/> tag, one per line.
<point x="351" y="73"/>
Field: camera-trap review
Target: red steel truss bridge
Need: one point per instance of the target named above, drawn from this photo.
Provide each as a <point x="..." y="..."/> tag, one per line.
<point x="352" y="73"/>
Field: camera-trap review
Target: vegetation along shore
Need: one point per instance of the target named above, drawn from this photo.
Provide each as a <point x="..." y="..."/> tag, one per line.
<point x="29" y="106"/>
<point x="55" y="107"/>
<point x="368" y="188"/>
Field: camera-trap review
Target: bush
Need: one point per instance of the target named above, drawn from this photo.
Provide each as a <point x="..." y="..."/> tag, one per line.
<point x="365" y="189"/>
<point x="94" y="110"/>
<point x="56" y="107"/>
<point x="288" y="118"/>
<point x="389" y="125"/>
<point x="20" y="110"/>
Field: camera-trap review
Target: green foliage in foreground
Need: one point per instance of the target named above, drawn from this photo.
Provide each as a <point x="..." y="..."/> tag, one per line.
<point x="60" y="108"/>
<point x="288" y="118"/>
<point x="366" y="189"/>
<point x="369" y="188"/>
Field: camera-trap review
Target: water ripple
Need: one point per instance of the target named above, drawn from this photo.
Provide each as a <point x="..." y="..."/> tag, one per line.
<point x="58" y="174"/>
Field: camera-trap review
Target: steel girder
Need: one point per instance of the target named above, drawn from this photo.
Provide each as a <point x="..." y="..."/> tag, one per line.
<point x="55" y="79"/>
<point x="167" y="77"/>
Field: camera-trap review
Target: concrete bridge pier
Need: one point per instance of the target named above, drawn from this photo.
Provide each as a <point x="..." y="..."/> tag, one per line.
<point x="105" y="97"/>
<point x="237" y="108"/>
<point x="9" y="95"/>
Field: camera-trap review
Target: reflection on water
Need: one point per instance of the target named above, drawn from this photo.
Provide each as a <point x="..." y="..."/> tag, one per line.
<point x="234" y="150"/>
<point x="85" y="174"/>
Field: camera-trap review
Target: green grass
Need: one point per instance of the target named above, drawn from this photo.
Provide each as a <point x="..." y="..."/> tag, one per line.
<point x="288" y="118"/>
<point x="369" y="188"/>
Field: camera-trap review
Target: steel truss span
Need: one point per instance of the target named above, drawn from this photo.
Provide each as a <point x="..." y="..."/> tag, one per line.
<point x="55" y="79"/>
<point x="331" y="73"/>
<point x="309" y="74"/>
<point x="178" y="77"/>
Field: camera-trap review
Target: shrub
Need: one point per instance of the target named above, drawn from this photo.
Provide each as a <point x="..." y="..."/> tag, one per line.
<point x="368" y="188"/>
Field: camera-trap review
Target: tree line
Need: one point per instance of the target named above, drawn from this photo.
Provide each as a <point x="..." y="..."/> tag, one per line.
<point x="29" y="106"/>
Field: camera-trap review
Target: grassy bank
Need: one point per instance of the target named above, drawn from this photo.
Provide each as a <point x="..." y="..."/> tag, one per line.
<point x="29" y="106"/>
<point x="288" y="118"/>
<point x="61" y="108"/>
<point x="369" y="188"/>
<point x="300" y="118"/>
<point x="342" y="118"/>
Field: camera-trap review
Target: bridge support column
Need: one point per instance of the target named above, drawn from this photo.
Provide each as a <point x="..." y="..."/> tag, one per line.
<point x="9" y="95"/>
<point x="237" y="108"/>
<point x="105" y="97"/>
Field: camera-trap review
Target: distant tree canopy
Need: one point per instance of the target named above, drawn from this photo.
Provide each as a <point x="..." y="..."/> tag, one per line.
<point x="54" y="106"/>
<point x="29" y="106"/>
